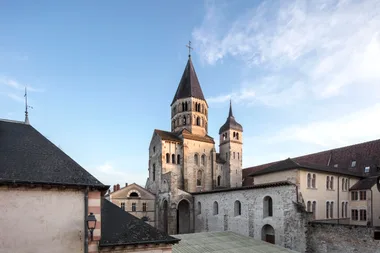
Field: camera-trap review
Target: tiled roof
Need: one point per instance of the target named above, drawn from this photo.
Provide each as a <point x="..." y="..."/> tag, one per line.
<point x="27" y="157"/>
<point x="289" y="164"/>
<point x="189" y="85"/>
<point x="256" y="186"/>
<point x="122" y="228"/>
<point x="169" y="136"/>
<point x="365" y="184"/>
<point x="230" y="123"/>
<point x="187" y="135"/>
<point x="365" y="154"/>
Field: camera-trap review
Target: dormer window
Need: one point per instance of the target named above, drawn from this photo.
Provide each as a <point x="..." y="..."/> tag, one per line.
<point x="366" y="169"/>
<point x="336" y="165"/>
<point x="353" y="164"/>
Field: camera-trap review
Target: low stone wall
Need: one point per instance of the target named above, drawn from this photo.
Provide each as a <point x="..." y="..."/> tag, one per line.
<point x="337" y="238"/>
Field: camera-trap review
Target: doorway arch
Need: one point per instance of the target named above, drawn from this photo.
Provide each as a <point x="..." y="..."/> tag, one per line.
<point x="165" y="214"/>
<point x="183" y="217"/>
<point x="267" y="234"/>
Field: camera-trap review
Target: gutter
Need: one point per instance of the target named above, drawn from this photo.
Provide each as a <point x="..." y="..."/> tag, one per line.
<point x="85" y="218"/>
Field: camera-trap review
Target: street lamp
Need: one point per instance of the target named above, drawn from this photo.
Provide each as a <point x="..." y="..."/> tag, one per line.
<point x="91" y="224"/>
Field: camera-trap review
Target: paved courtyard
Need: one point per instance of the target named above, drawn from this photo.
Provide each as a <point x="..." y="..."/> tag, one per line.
<point x="223" y="242"/>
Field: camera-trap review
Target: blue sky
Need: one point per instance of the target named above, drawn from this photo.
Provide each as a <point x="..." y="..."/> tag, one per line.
<point x="303" y="76"/>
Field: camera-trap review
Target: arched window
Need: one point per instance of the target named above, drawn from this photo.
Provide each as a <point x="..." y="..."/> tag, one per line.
<point x="173" y="158"/>
<point x="268" y="206"/>
<point x="167" y="158"/>
<point x="238" y="156"/>
<point x="215" y="208"/>
<point x="343" y="185"/>
<point x="199" y="178"/>
<point x="203" y="160"/>
<point x="308" y="180"/>
<point x="332" y="209"/>
<point x="309" y="206"/>
<point x="134" y="195"/>
<point x="202" y="109"/>
<point x="233" y="155"/>
<point x="342" y="209"/>
<point x="183" y="106"/>
<point x="196" y="159"/>
<point x="198" y="121"/>
<point x="178" y="159"/>
<point x="234" y="134"/>
<point x="237" y="208"/>
<point x="199" y="207"/>
<point x="186" y="106"/>
<point x="219" y="178"/>
<point x="314" y="208"/>
<point x="327" y="182"/>
<point x="313" y="181"/>
<point x="345" y="209"/>
<point x="332" y="183"/>
<point x="154" y="172"/>
<point x="237" y="136"/>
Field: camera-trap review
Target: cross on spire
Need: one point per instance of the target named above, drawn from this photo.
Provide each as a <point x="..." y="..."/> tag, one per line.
<point x="190" y="48"/>
<point x="26" y="107"/>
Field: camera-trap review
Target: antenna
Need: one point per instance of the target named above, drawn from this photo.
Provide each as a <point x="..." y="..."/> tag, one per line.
<point x="26" y="107"/>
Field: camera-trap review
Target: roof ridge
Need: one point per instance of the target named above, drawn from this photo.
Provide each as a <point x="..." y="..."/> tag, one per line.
<point x="13" y="121"/>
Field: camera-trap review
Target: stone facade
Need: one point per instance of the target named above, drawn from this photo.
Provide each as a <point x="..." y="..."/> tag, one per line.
<point x="244" y="212"/>
<point x="333" y="238"/>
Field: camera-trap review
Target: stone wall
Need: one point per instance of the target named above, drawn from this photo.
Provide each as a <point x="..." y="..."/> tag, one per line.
<point x="334" y="238"/>
<point x="288" y="223"/>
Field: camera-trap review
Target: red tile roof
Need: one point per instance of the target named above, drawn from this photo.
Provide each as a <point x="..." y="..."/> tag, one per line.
<point x="365" y="154"/>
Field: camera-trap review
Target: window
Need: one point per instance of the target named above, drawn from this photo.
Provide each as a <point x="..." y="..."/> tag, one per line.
<point x="327" y="182"/>
<point x="215" y="208"/>
<point x="363" y="215"/>
<point x="268" y="207"/>
<point x="199" y="207"/>
<point x="199" y="178"/>
<point x="122" y="206"/>
<point x="308" y="180"/>
<point x="154" y="172"/>
<point x="237" y="136"/>
<point x="203" y="160"/>
<point x="184" y="120"/>
<point x="238" y="156"/>
<point x="173" y="158"/>
<point x="354" y="195"/>
<point x="331" y="183"/>
<point x="353" y="164"/>
<point x="309" y="206"/>
<point x="219" y="180"/>
<point x="234" y="155"/>
<point x="167" y="158"/>
<point x="336" y="165"/>
<point x="343" y="187"/>
<point x="154" y="149"/>
<point x="332" y="209"/>
<point x="366" y="169"/>
<point x="237" y="208"/>
<point x="314" y="208"/>
<point x="363" y="195"/>
<point x="313" y="181"/>
<point x="178" y="159"/>
<point x="134" y="195"/>
<point x="343" y="205"/>
<point x="198" y="121"/>
<point x="144" y="207"/>
<point x="196" y="159"/>
<point x="133" y="207"/>
<point x="346" y="184"/>
<point x="354" y="214"/>
<point x="346" y="209"/>
<point x="327" y="210"/>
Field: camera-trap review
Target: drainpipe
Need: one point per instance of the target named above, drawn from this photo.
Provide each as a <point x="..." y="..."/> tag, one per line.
<point x="371" y="208"/>
<point x="338" y="204"/>
<point x="85" y="218"/>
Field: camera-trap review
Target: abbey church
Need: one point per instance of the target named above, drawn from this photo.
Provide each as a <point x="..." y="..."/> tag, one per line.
<point x="185" y="159"/>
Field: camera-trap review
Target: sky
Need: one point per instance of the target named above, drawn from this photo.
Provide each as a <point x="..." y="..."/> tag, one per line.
<point x="303" y="76"/>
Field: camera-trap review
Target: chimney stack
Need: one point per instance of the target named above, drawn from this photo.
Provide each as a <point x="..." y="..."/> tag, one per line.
<point x="114" y="188"/>
<point x="118" y="187"/>
<point x="126" y="184"/>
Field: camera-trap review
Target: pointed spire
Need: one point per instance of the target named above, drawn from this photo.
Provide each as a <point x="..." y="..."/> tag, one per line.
<point x="230" y="114"/>
<point x="26" y="107"/>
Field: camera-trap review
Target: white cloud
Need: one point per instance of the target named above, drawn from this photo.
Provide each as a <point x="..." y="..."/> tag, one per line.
<point x="359" y="126"/>
<point x="12" y="83"/>
<point x="15" y="97"/>
<point x="327" y="47"/>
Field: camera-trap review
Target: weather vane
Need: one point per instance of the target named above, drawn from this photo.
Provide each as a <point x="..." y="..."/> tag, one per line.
<point x="190" y="48"/>
<point x="26" y="107"/>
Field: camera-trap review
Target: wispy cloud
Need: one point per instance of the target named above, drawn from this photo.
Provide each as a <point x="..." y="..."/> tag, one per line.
<point x="12" y="83"/>
<point x="16" y="97"/>
<point x="327" y="47"/>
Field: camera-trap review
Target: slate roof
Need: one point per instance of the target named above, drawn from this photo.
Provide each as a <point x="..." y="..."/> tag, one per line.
<point x="365" y="184"/>
<point x="289" y="164"/>
<point x="365" y="154"/>
<point x="122" y="228"/>
<point x="27" y="157"/>
<point x="189" y="85"/>
<point x="230" y="123"/>
<point x="169" y="136"/>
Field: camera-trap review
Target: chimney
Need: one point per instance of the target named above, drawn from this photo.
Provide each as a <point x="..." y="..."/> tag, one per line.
<point x="114" y="188"/>
<point x="126" y="184"/>
<point x="118" y="187"/>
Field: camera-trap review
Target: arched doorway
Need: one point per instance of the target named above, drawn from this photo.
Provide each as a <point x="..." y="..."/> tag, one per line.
<point x="267" y="234"/>
<point x="183" y="217"/>
<point x="165" y="220"/>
